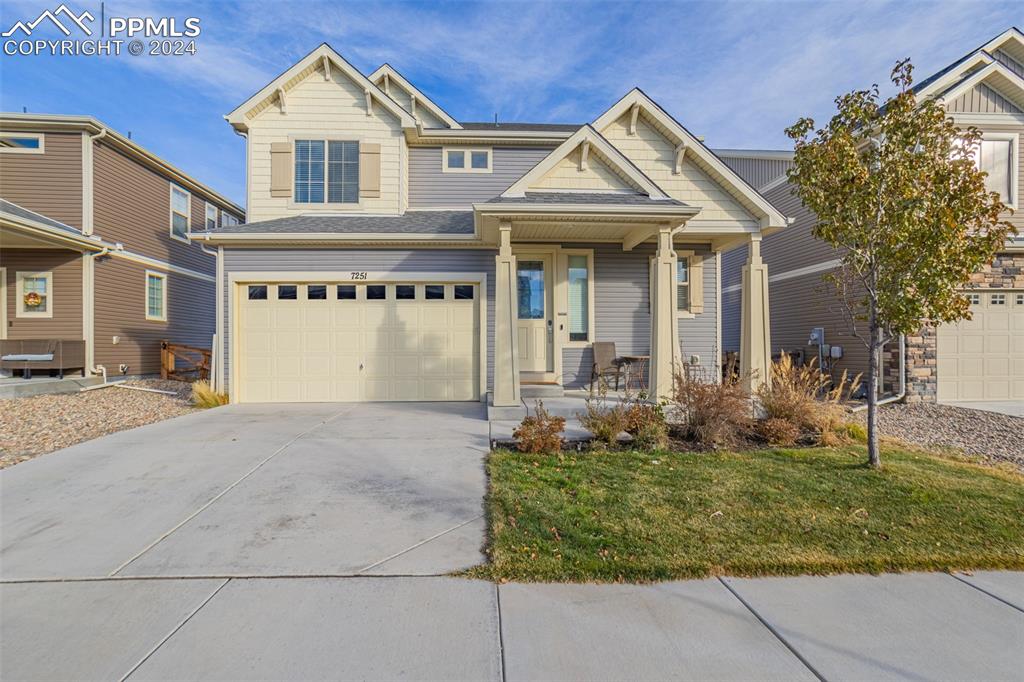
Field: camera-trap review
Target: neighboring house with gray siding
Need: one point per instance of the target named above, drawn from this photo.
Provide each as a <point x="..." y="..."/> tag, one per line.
<point x="95" y="243"/>
<point x="977" y="359"/>
<point x="395" y="253"/>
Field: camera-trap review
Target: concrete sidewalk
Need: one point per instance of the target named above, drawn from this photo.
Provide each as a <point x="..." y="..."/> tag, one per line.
<point x="913" y="626"/>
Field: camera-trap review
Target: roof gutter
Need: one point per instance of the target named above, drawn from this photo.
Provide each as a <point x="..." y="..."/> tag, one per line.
<point x="511" y="209"/>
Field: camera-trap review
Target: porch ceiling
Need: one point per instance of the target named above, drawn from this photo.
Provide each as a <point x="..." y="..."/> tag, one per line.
<point x="15" y="238"/>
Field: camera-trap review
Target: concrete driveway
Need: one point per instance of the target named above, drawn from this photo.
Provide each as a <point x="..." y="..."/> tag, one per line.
<point x="268" y="490"/>
<point x="1014" y="408"/>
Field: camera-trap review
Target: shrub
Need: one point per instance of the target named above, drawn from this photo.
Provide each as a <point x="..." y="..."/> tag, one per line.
<point x="710" y="413"/>
<point x="205" y="397"/>
<point x="603" y="419"/>
<point x="778" y="431"/>
<point x="540" y="432"/>
<point x="853" y="431"/>
<point x="645" y="421"/>
<point x="800" y="394"/>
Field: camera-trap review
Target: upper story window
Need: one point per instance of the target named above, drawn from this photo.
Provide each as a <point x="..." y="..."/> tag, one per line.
<point x="227" y="219"/>
<point x="21" y="143"/>
<point x="463" y="160"/>
<point x="211" y="216"/>
<point x="326" y="171"/>
<point x="997" y="155"/>
<point x="181" y="204"/>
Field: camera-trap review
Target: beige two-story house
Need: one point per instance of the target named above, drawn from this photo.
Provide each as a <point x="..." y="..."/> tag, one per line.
<point x="394" y="252"/>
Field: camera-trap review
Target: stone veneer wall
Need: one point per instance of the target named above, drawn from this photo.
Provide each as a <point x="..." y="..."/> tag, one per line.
<point x="1005" y="272"/>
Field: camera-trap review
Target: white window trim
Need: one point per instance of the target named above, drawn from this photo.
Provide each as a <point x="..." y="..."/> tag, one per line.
<point x="469" y="159"/>
<point x="206" y="216"/>
<point x="338" y="206"/>
<point x="563" y="275"/>
<point x="163" y="290"/>
<point x="24" y="150"/>
<point x="225" y="216"/>
<point x="188" y="213"/>
<point x="1014" y="140"/>
<point x="19" y="310"/>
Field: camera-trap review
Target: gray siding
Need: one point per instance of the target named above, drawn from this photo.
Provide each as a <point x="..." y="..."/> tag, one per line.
<point x="343" y="260"/>
<point x="622" y="315"/>
<point x="429" y="187"/>
<point x="758" y="172"/>
<point x="731" y="302"/>
<point x="1009" y="62"/>
<point x="982" y="100"/>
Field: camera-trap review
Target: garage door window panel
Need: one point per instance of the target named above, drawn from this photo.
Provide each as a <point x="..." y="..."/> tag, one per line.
<point x="376" y="292"/>
<point x="316" y="292"/>
<point x="433" y="292"/>
<point x="287" y="292"/>
<point x="257" y="292"/>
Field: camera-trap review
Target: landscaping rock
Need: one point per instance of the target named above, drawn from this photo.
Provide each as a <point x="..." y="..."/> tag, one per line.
<point x="991" y="436"/>
<point x="33" y="426"/>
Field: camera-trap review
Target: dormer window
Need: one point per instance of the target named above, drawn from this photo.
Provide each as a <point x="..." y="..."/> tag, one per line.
<point x="464" y="160"/>
<point x="326" y="171"/>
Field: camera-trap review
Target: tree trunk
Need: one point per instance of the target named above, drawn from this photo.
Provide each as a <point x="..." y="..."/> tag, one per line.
<point x="875" y="331"/>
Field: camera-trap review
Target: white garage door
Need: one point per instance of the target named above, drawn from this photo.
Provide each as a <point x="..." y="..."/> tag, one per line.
<point x="983" y="358"/>
<point x="327" y="341"/>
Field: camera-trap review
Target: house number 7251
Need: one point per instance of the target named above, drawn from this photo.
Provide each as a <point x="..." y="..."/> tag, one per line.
<point x="358" y="275"/>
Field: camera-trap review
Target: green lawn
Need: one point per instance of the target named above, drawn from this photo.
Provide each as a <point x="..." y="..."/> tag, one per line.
<point x="640" y="516"/>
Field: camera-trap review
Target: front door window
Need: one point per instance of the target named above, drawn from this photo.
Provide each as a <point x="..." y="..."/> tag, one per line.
<point x="530" y="276"/>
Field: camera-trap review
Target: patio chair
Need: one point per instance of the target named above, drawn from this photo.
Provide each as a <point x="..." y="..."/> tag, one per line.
<point x="606" y="364"/>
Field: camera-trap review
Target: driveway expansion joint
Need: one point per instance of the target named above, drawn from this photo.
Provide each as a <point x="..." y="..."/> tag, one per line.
<point x="778" y="635"/>
<point x="986" y="592"/>
<point x="226" y="490"/>
<point x="419" y="544"/>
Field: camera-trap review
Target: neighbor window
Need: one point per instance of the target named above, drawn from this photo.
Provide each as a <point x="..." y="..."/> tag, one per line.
<point x="227" y="219"/>
<point x="180" y="202"/>
<point x="466" y="161"/>
<point x="35" y="294"/>
<point x="21" y="143"/>
<point x="996" y="155"/>
<point x="326" y="170"/>
<point x="579" y="298"/>
<point x="211" y="216"/>
<point x="156" y="296"/>
<point x="683" y="284"/>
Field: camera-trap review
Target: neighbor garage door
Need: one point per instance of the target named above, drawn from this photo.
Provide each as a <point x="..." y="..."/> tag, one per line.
<point x="983" y="358"/>
<point x="329" y="341"/>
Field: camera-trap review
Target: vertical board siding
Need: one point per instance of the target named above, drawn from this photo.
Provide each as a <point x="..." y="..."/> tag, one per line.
<point x="132" y="205"/>
<point x="622" y="315"/>
<point x="120" y="287"/>
<point x="49" y="183"/>
<point x="757" y="172"/>
<point x="1009" y="62"/>
<point x="429" y="187"/>
<point x="239" y="260"/>
<point x="982" y="99"/>
<point x="66" y="296"/>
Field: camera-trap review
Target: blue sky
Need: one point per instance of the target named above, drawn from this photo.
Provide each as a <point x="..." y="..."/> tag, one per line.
<point x="736" y="73"/>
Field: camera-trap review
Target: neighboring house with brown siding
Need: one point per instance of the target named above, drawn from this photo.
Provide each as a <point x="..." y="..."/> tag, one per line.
<point x="100" y="230"/>
<point x="977" y="359"/>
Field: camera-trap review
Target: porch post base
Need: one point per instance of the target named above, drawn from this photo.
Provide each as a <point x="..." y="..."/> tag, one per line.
<point x="755" y="329"/>
<point x="506" y="343"/>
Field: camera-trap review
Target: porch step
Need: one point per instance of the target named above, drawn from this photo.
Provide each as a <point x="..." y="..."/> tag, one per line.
<point x="533" y="391"/>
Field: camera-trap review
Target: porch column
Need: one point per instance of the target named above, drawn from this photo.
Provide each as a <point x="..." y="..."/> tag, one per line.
<point x="506" y="342"/>
<point x="755" y="329"/>
<point x="664" y="327"/>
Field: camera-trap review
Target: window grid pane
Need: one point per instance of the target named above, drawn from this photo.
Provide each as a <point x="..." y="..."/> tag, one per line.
<point x="309" y="171"/>
<point x="36" y="285"/>
<point x="456" y="159"/>
<point x="343" y="172"/>
<point x="682" y="285"/>
<point x="478" y="160"/>
<point x="155" y="299"/>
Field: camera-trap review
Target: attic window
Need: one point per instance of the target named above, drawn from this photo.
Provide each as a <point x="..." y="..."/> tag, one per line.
<point x="464" y="160"/>
<point x="997" y="155"/>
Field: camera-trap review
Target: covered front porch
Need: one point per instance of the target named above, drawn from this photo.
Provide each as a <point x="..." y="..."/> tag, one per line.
<point x="571" y="272"/>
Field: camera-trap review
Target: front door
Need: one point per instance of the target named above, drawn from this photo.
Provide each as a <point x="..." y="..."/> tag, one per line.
<point x="533" y="281"/>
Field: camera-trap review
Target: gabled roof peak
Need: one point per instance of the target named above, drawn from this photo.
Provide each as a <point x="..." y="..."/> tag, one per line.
<point x="385" y="73"/>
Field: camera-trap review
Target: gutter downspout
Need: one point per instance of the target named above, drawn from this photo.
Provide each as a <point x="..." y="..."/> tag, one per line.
<point x="90" y="324"/>
<point x="217" y="343"/>
<point x="903" y="379"/>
